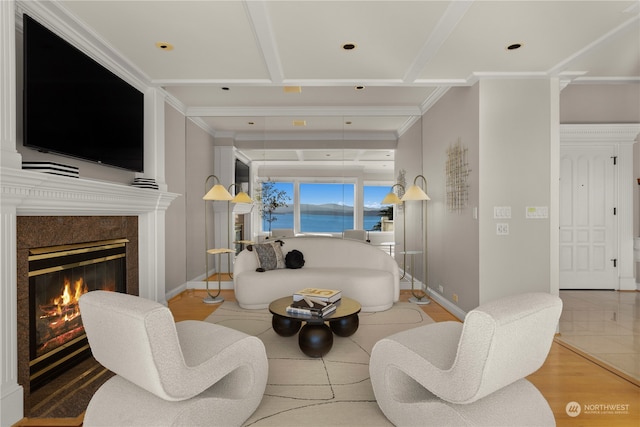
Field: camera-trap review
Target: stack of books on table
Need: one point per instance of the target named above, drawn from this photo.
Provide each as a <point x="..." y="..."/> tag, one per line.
<point x="326" y="295"/>
<point x="311" y="308"/>
<point x="315" y="302"/>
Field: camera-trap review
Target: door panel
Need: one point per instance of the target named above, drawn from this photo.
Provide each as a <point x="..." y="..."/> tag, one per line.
<point x="587" y="223"/>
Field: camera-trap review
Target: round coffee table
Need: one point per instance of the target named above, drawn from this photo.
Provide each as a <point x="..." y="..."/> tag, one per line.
<point x="315" y="337"/>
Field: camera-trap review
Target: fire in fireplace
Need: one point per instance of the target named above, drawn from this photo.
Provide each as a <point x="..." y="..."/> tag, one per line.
<point x="58" y="276"/>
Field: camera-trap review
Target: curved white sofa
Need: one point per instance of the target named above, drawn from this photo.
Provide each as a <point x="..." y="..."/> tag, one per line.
<point x="361" y="271"/>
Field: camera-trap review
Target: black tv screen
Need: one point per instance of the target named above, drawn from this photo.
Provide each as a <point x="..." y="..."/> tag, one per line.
<point x="74" y="106"/>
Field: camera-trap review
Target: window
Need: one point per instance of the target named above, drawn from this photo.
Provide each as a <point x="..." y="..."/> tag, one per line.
<point x="372" y="209"/>
<point x="274" y="194"/>
<point x="326" y="207"/>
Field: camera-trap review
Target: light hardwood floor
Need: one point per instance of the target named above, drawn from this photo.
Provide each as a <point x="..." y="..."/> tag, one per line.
<point x="565" y="377"/>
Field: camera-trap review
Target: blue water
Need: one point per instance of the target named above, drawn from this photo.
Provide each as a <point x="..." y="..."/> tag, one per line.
<point x="320" y="223"/>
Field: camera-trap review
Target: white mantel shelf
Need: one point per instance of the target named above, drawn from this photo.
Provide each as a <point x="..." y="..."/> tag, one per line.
<point x="37" y="193"/>
<point x="29" y="193"/>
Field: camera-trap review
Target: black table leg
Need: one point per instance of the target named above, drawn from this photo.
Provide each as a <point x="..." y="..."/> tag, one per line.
<point x="285" y="326"/>
<point x="315" y="339"/>
<point x="345" y="326"/>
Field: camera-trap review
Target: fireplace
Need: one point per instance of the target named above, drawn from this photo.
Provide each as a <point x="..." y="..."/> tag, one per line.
<point x="58" y="276"/>
<point x="54" y="249"/>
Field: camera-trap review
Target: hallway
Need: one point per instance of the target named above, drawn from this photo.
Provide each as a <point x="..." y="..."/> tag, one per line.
<point x="605" y="325"/>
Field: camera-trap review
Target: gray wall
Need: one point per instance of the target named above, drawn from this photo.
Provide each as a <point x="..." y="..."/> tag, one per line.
<point x="408" y="158"/>
<point x="453" y="236"/>
<point x="518" y="157"/>
<point x="188" y="161"/>
<point x="176" y="214"/>
<point x="199" y="164"/>
<point x="614" y="103"/>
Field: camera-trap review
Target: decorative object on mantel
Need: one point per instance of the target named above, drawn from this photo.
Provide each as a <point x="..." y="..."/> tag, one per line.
<point x="52" y="168"/>
<point x="457" y="173"/>
<point x="145" y="183"/>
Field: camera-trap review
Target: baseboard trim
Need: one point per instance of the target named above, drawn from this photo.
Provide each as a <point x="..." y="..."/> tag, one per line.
<point x="448" y="305"/>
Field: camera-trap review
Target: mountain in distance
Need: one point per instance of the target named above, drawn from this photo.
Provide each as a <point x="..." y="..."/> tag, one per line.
<point x="327" y="209"/>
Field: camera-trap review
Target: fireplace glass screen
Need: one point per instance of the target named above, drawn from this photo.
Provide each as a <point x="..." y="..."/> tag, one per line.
<point x="57" y="278"/>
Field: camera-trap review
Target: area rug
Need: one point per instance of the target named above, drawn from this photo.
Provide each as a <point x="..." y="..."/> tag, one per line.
<point x="331" y="390"/>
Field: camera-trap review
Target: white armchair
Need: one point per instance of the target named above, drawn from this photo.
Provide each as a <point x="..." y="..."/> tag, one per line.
<point x="471" y="373"/>
<point x="186" y="373"/>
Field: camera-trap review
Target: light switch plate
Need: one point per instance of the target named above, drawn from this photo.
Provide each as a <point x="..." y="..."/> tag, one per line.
<point x="537" y="212"/>
<point x="502" y="212"/>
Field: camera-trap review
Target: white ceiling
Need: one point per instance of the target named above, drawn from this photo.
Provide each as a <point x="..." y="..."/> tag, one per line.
<point x="408" y="53"/>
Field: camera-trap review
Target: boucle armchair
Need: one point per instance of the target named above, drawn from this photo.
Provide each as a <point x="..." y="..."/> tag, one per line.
<point x="188" y="373"/>
<point x="471" y="373"/>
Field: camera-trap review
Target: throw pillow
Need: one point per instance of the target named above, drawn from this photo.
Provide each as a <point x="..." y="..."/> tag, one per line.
<point x="269" y="255"/>
<point x="294" y="259"/>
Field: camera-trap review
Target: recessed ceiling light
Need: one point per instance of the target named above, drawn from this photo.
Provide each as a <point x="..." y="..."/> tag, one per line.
<point x="164" y="46"/>
<point x="514" y="46"/>
<point x="292" y="89"/>
<point x="359" y="87"/>
<point x="349" y="46"/>
<point x="299" y="122"/>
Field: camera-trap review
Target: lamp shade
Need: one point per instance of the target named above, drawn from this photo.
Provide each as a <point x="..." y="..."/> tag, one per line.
<point x="242" y="197"/>
<point x="391" y="199"/>
<point x="218" y="192"/>
<point x="415" y="193"/>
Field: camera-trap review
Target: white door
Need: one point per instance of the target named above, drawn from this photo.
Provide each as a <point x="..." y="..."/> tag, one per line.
<point x="588" y="242"/>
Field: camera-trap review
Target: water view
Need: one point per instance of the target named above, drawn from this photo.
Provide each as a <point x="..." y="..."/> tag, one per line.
<point x="323" y="218"/>
<point x="321" y="223"/>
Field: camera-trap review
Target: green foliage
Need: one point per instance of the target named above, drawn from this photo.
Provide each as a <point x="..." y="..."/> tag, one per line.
<point x="270" y="199"/>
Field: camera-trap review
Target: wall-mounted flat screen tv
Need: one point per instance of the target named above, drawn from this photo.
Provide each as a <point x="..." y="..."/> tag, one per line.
<point x="74" y="106"/>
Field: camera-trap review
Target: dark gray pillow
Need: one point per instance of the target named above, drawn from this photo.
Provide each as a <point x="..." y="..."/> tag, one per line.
<point x="269" y="255"/>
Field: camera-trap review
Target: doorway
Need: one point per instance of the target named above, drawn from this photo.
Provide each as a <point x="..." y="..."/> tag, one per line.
<point x="588" y="217"/>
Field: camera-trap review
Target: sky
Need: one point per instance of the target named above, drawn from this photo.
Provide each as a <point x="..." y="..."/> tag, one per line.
<point x="335" y="193"/>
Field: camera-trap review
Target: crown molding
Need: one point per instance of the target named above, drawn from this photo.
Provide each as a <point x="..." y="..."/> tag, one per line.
<point x="620" y="133"/>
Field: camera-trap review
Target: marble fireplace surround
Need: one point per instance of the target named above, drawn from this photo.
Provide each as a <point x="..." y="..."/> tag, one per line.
<point x="34" y="194"/>
<point x="47" y="231"/>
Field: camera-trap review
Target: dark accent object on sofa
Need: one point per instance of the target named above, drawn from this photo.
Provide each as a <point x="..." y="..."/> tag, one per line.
<point x="294" y="259"/>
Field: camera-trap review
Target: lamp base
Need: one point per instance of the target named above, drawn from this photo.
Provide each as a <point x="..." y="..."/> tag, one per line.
<point x="420" y="301"/>
<point x="212" y="300"/>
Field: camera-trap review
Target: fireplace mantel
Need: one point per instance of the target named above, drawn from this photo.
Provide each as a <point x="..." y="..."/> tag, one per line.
<point x="37" y="193"/>
<point x="28" y="193"/>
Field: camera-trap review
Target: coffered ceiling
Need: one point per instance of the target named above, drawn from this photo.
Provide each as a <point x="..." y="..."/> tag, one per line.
<point x="252" y="70"/>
